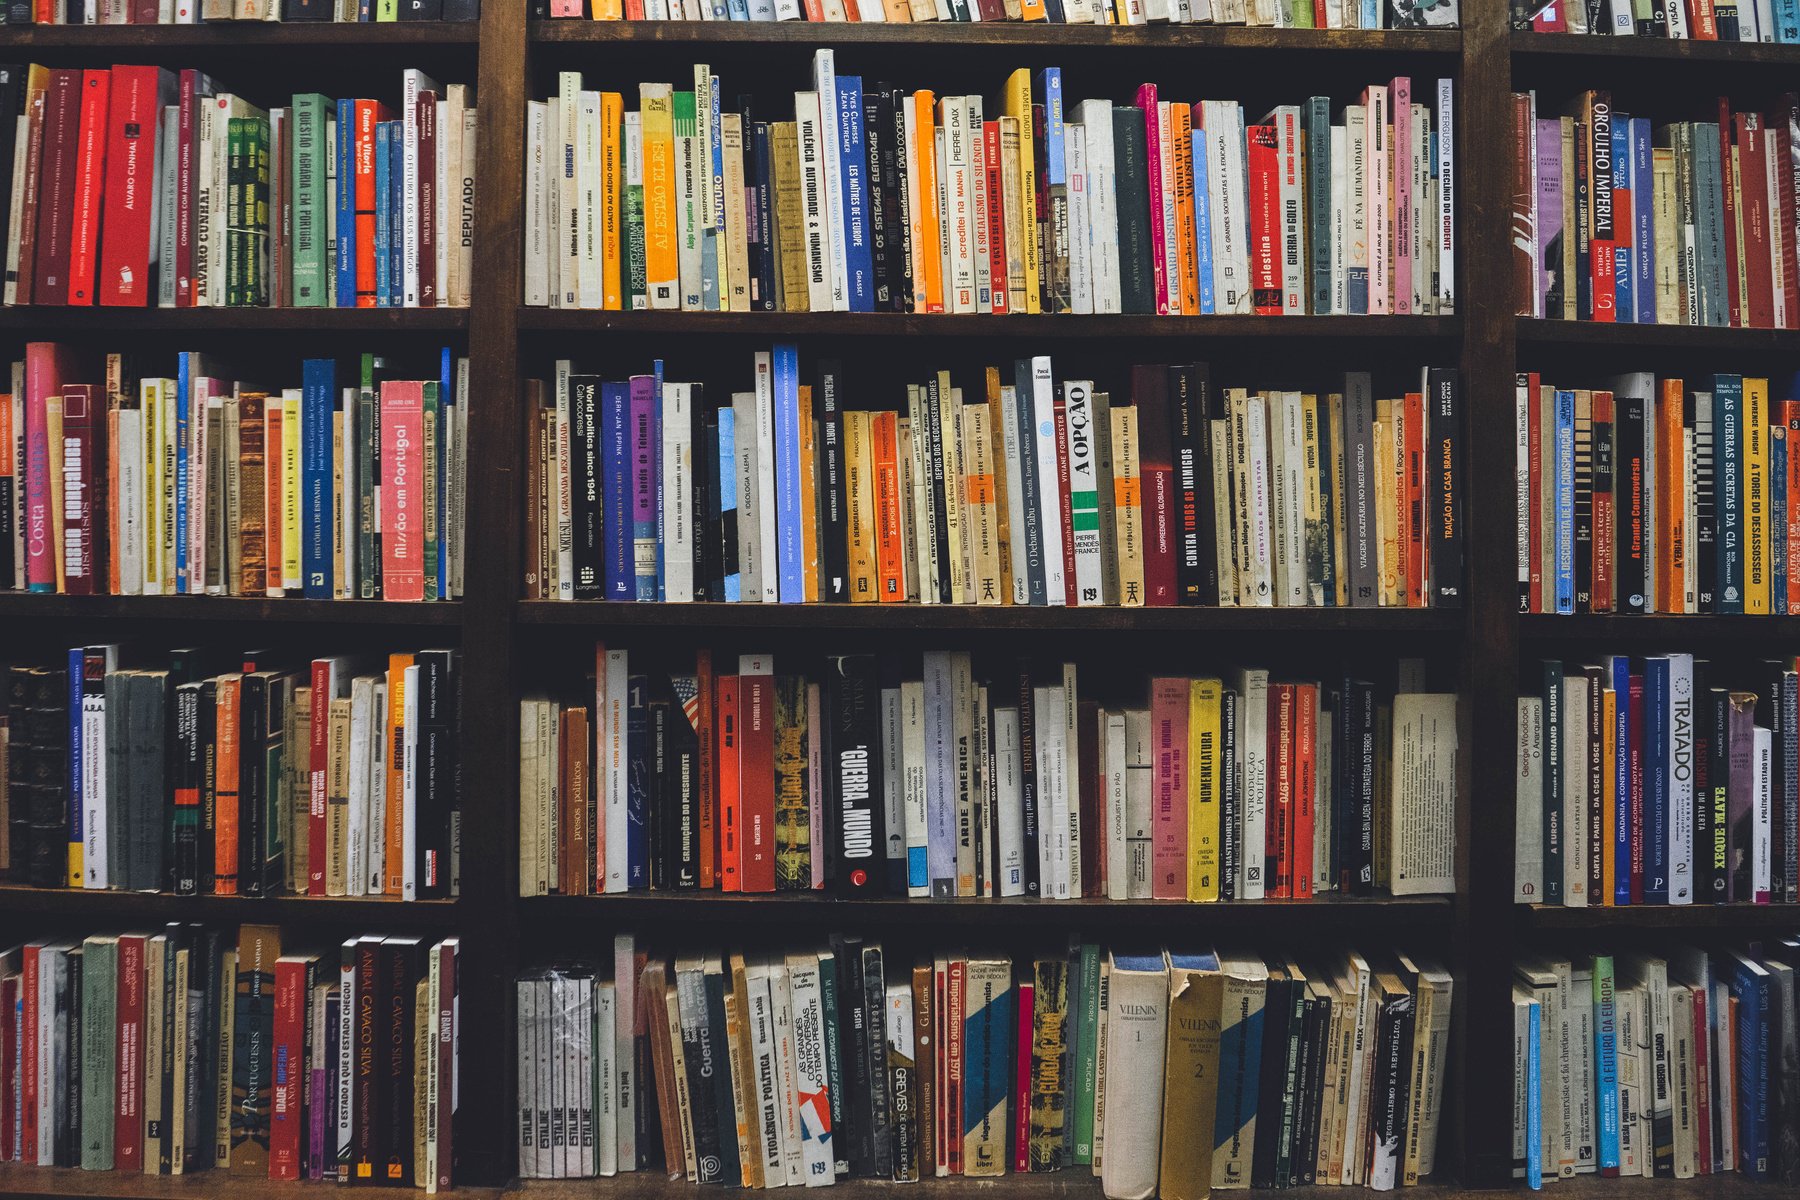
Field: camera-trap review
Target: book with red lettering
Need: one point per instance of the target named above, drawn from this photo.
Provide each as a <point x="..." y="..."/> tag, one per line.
<point x="56" y="188"/>
<point x="286" y="1128"/>
<point x="1153" y="140"/>
<point x="426" y="107"/>
<point x="1156" y="482"/>
<point x="195" y="88"/>
<point x="9" y="1054"/>
<point x="756" y="770"/>
<point x="996" y="214"/>
<point x="402" y="489"/>
<point x="369" y="114"/>
<point x="90" y="179"/>
<point x="47" y="366"/>
<point x="1306" y="733"/>
<point x="29" y="1054"/>
<point x="730" y="813"/>
<point x="128" y="1094"/>
<point x="275" y="435"/>
<point x="1169" y="788"/>
<point x="82" y="426"/>
<point x="1278" y="827"/>
<point x="1262" y="171"/>
<point x="955" y="1052"/>
<point x="1401" y="90"/>
<point x="1605" y="512"/>
<point x="1730" y="198"/>
<point x="1758" y="265"/>
<point x="133" y="127"/>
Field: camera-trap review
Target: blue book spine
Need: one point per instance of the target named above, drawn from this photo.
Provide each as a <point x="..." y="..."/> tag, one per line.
<point x="1203" y="222"/>
<point x="985" y="1091"/>
<point x="642" y="432"/>
<point x="184" y="369"/>
<point x="637" y="786"/>
<point x="346" y="203"/>
<point x="1028" y="484"/>
<point x="396" y="198"/>
<point x="1728" y="466"/>
<point x="738" y="9"/>
<point x="1050" y="87"/>
<point x="615" y="412"/>
<point x="318" y="385"/>
<point x="1606" y="1060"/>
<point x="1624" y="239"/>
<point x="1240" y="1068"/>
<point x="656" y="441"/>
<point x="1778" y="502"/>
<point x="382" y="188"/>
<point x="1621" y="733"/>
<point x="1752" y="992"/>
<point x="1643" y="221"/>
<point x="1787" y="21"/>
<point x="77" y="804"/>
<point x="728" y="497"/>
<point x="717" y="236"/>
<point x="1371" y="15"/>
<point x="1565" y="502"/>
<point x="446" y="415"/>
<point x="786" y="371"/>
<point x="1656" y="780"/>
<point x="855" y="194"/>
<point x="1534" y="1099"/>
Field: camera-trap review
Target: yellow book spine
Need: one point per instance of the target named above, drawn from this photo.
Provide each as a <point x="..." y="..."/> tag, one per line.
<point x="809" y="498"/>
<point x="1128" y="506"/>
<point x="1756" y="496"/>
<point x="612" y="190"/>
<point x="858" y="475"/>
<point x="290" y="490"/>
<point x="736" y="256"/>
<point x="393" y="758"/>
<point x="661" y="267"/>
<point x="609" y="10"/>
<point x="1204" y="700"/>
<point x="996" y="425"/>
<point x="1018" y="106"/>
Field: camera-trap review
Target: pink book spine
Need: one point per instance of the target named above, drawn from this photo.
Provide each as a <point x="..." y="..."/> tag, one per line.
<point x="1169" y="729"/>
<point x="1403" y="214"/>
<point x="45" y="364"/>
<point x="402" y="490"/>
<point x="1022" y="1126"/>
<point x="1146" y="100"/>
<point x="1380" y="144"/>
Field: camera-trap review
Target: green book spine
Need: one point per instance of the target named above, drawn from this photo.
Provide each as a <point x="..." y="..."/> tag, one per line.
<point x="1087" y="1032"/>
<point x="261" y="139"/>
<point x="368" y="416"/>
<point x="234" y="212"/>
<point x="434" y="412"/>
<point x="387" y="10"/>
<point x="834" y="1058"/>
<point x="307" y="164"/>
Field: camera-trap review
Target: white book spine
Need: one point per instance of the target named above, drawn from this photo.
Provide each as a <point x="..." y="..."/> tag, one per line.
<point x="1015" y="494"/>
<point x="362" y="709"/>
<point x="1140" y="788"/>
<point x="1681" y="727"/>
<point x="613" y="774"/>
<point x="409" y="786"/>
<point x="749" y="491"/>
<point x="961" y="217"/>
<point x="168" y="154"/>
<point x="940" y="774"/>
<point x="782" y="1011"/>
<point x="375" y="856"/>
<point x="1761" y="837"/>
<point x="412" y="82"/>
<point x="913" y="789"/>
<point x="16" y="202"/>
<point x="765" y="477"/>
<point x="1293" y="546"/>
<point x="1008" y="780"/>
<point x="605" y="1055"/>
<point x="1377" y="150"/>
<point x="588" y="202"/>
<point x="1528" y="853"/>
<point x="1044" y="444"/>
<point x="1081" y="281"/>
<point x="565" y="516"/>
<point x="1052" y="761"/>
<point x="766" y="1075"/>
<point x="1340" y="219"/>
<point x="813" y="1103"/>
<point x="131" y="498"/>
<point x="625" y="981"/>
<point x="1084" y="494"/>
<point x="1069" y="880"/>
<point x="1253" y="734"/>
<point x="677" y="466"/>
<point x="567" y="203"/>
<point x="893" y="781"/>
<point x="1103" y="222"/>
<point x="1574" y="756"/>
<point x="537" y="248"/>
<point x="446" y="148"/>
<point x="1112" y="782"/>
<point x="1259" y="461"/>
<point x="831" y="154"/>
<point x="94" y="873"/>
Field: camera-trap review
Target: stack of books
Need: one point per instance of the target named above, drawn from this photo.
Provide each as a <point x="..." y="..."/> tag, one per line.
<point x="1688" y="223"/>
<point x="1646" y="496"/>
<point x="1655" y="1062"/>
<point x="205" y="484"/>
<point x="948" y="774"/>
<point x="1279" y="14"/>
<point x="1665" y="779"/>
<point x="1699" y="20"/>
<point x="881" y="199"/>
<point x="209" y="774"/>
<point x="144" y="186"/>
<point x="197" y="1049"/>
<point x="1165" y="1072"/>
<point x="1037" y="492"/>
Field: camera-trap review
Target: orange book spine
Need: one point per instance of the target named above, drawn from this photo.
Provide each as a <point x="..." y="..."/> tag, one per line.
<point x="890" y="541"/>
<point x="1414" y="502"/>
<point x="1033" y="10"/>
<point x="369" y="113"/>
<point x="225" y="786"/>
<point x="925" y="168"/>
<point x="705" y="713"/>
<point x="1186" y="252"/>
<point x="809" y="497"/>
<point x="730" y="819"/>
<point x="394" y="754"/>
<point x="1671" y="548"/>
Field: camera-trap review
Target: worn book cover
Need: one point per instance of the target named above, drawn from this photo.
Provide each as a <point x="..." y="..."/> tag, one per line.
<point x="1049" y="1062"/>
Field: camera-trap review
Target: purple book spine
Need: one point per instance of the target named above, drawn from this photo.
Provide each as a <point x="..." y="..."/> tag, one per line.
<point x="1549" y="218"/>
<point x="1740" y="796"/>
<point x="321" y="1107"/>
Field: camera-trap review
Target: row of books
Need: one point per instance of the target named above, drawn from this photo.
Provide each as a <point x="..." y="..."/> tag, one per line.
<point x="1661" y="779"/>
<point x="883" y="199"/>
<point x="191" y="12"/>
<point x="1699" y="20"/>
<point x="1664" y="1062"/>
<point x="202" y="484"/>
<point x="339" y="777"/>
<point x="950" y="775"/>
<point x="1688" y="223"/>
<point x="1164" y="1072"/>
<point x="1038" y="492"/>
<point x="195" y="1049"/>
<point x="140" y="186"/>
<point x="1646" y="496"/>
<point x="1281" y="14"/>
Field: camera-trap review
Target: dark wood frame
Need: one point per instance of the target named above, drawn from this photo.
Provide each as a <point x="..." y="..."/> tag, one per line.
<point x="1483" y="644"/>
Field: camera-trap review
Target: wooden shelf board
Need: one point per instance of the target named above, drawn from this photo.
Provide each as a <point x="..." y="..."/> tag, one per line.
<point x="55" y="1183"/>
<point x="233" y="34"/>
<point x="157" y="907"/>
<point x="711" y="906"/>
<point x="230" y="608"/>
<point x="1541" y="627"/>
<point x="966" y="617"/>
<point x="1042" y="326"/>
<point x="1609" y="333"/>
<point x="1565" y="45"/>
<point x="1074" y="1183"/>
<point x="1034" y="35"/>
<point x="1662" y="916"/>
<point x="62" y="320"/>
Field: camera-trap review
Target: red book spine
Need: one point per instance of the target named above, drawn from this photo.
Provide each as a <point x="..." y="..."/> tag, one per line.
<point x="1702" y="1078"/>
<point x="9" y="1065"/>
<point x="1153" y="140"/>
<point x="144" y="12"/>
<point x="1169" y="729"/>
<point x="79" y="438"/>
<point x="815" y="9"/>
<point x="634" y="10"/>
<point x="1604" y="516"/>
<point x="1276" y="829"/>
<point x="427" y="120"/>
<point x="1263" y="170"/>
<point x="1549" y="19"/>
<point x="1306" y="734"/>
<point x="318" y="766"/>
<point x="1156" y="482"/>
<point x="90" y="180"/>
<point x="47" y="364"/>
<point x="131" y="180"/>
<point x="402" y="487"/>
<point x="1603" y="175"/>
<point x="955" y="1012"/>
<point x="285" y="1125"/>
<point x="195" y="87"/>
<point x="369" y="113"/>
<point x="1064" y="502"/>
<point x="1022" y="1098"/>
<point x="128" y="1115"/>
<point x="28" y="1058"/>
<point x="707" y="765"/>
<point x="1093" y="819"/>
<point x="1635" y="741"/>
<point x="446" y="1051"/>
<point x="1758" y="266"/>
<point x="1534" y="414"/>
<point x="757" y="781"/>
<point x="731" y="819"/>
<point x="996" y="215"/>
<point x="1729" y="204"/>
<point x="56" y="187"/>
<point x="1414" y="522"/>
<point x="1703" y="21"/>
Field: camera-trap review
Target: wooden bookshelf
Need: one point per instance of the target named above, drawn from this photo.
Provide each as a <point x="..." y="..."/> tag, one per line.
<point x="506" y="641"/>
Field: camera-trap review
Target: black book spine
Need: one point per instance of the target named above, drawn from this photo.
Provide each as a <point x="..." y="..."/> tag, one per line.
<point x="1137" y="272"/>
<point x="1630" y="559"/>
<point x="1716" y="715"/>
<point x="400" y="971"/>
<point x="766" y="300"/>
<point x="585" y="506"/>
<point x="1230" y="848"/>
<point x="1291" y="1081"/>
<point x="853" y="787"/>
<point x="186" y="814"/>
<point x="902" y="269"/>
<point x="1706" y="513"/>
<point x="934" y="440"/>
<point x="853" y="1023"/>
<point x="436" y="770"/>
<point x="1446" y="522"/>
<point x="148" y="802"/>
<point x="661" y="795"/>
<point x="209" y="781"/>
<point x="878" y="127"/>
<point x="1301" y="1165"/>
<point x="703" y="1105"/>
<point x="731" y="1168"/>
<point x="1271" y="1067"/>
<point x="1028" y="784"/>
<point x="1196" y="545"/>
<point x="202" y="1124"/>
<point x="253" y="783"/>
<point x="1392" y="1078"/>
<point x="834" y="535"/>
<point x="709" y="584"/>
<point x="684" y="783"/>
<point x="462" y="10"/>
<point x="874" y="1054"/>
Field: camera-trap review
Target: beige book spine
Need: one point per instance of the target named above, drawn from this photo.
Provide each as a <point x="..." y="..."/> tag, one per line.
<point x="1315" y="477"/>
<point x="424" y="1059"/>
<point x="221" y="1086"/>
<point x="737" y="231"/>
<point x="996" y="423"/>
<point x="950" y="418"/>
<point x="1669" y="308"/>
<point x="683" y="1109"/>
<point x="1190" y="1083"/>
<point x="179" y="1035"/>
<point x="154" y="1033"/>
<point x="337" y="798"/>
<point x="1136" y="1026"/>
<point x="744" y="1091"/>
<point x="859" y="507"/>
<point x="1238" y="401"/>
<point x="790" y="221"/>
<point x="1384" y="492"/>
<point x="1128" y="506"/>
<point x="909" y="515"/>
<point x="983" y="512"/>
<point x="1340" y="519"/>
